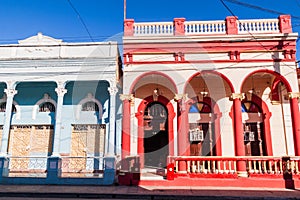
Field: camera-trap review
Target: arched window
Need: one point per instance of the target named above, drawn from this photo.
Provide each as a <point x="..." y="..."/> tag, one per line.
<point x="46" y="107"/>
<point x="250" y="107"/>
<point x="3" y="107"/>
<point x="200" y="107"/>
<point x="90" y="106"/>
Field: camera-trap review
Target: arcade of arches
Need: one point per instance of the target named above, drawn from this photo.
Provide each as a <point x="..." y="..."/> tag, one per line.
<point x="209" y="118"/>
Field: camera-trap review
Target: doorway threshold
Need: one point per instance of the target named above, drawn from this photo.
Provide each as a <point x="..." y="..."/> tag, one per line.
<point x="152" y="173"/>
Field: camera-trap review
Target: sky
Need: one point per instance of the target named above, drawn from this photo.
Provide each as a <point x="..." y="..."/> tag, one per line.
<point x="100" y="20"/>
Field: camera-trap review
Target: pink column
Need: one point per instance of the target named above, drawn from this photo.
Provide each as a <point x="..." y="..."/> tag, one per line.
<point x="183" y="130"/>
<point x="239" y="132"/>
<point x="295" y="120"/>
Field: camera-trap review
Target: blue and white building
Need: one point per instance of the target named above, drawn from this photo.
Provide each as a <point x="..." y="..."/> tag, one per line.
<point x="59" y="99"/>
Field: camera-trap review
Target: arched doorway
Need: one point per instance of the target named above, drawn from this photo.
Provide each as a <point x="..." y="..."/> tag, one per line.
<point x="156" y="140"/>
<point x="254" y="135"/>
<point x="201" y="134"/>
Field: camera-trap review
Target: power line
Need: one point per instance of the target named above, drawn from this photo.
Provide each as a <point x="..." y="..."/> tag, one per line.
<point x="81" y="20"/>
<point x="231" y="12"/>
<point x="259" y="8"/>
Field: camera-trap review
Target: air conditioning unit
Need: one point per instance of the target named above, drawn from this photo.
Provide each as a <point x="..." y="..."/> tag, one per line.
<point x="196" y="135"/>
<point x="249" y="136"/>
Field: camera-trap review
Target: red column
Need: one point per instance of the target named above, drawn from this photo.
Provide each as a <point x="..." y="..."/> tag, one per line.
<point x="239" y="132"/>
<point x="126" y="128"/>
<point x="295" y="121"/>
<point x="183" y="130"/>
<point x="140" y="149"/>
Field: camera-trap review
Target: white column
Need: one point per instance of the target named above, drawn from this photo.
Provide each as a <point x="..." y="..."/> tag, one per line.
<point x="10" y="93"/>
<point x="112" y="120"/>
<point x="60" y="99"/>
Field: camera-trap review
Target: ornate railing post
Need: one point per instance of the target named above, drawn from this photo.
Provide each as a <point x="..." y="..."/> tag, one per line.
<point x="109" y="170"/>
<point x="54" y="167"/>
<point x="128" y="27"/>
<point x="179" y="26"/>
<point x="285" y="24"/>
<point x="287" y="173"/>
<point x="4" y="170"/>
<point x="231" y="25"/>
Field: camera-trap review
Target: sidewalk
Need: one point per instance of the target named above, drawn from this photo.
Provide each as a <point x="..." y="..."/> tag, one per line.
<point x="149" y="192"/>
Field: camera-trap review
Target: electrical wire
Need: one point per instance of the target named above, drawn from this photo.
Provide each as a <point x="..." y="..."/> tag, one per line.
<point x="81" y="20"/>
<point x="260" y="8"/>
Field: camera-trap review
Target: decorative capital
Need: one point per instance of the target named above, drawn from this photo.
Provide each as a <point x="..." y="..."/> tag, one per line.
<point x="10" y="92"/>
<point x="178" y="97"/>
<point x="240" y="96"/>
<point x="61" y="91"/>
<point x="128" y="97"/>
<point x="293" y="95"/>
<point x="112" y="90"/>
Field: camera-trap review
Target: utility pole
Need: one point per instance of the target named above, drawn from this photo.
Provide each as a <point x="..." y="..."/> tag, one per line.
<point x="124" y="9"/>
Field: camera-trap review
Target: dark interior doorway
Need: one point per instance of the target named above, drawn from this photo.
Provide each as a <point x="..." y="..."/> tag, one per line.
<point x="156" y="148"/>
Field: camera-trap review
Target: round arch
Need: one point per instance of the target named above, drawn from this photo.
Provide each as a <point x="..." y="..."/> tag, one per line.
<point x="278" y="76"/>
<point x="151" y="73"/>
<point x="216" y="115"/>
<point x="266" y="120"/>
<point x="140" y="117"/>
<point x="210" y="72"/>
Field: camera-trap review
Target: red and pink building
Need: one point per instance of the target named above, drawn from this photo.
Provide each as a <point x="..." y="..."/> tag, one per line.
<point x="211" y="99"/>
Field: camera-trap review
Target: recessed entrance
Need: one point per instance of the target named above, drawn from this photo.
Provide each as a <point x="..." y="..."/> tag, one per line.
<point x="156" y="148"/>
